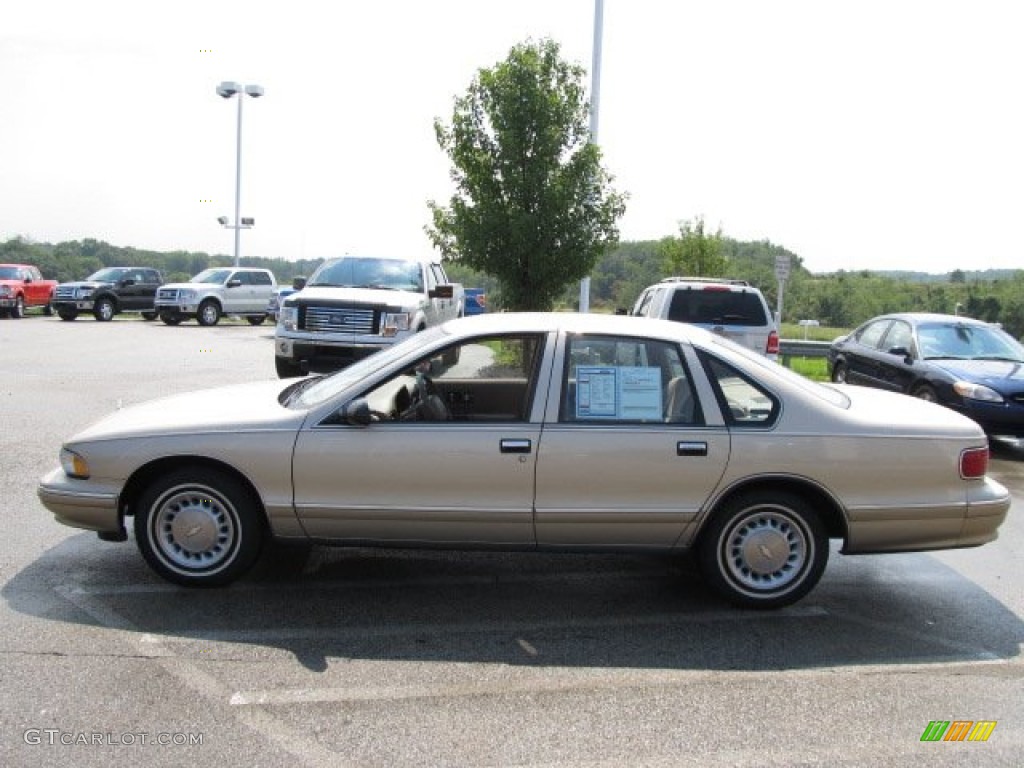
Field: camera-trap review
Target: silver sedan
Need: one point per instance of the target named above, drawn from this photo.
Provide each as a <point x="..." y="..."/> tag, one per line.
<point x="560" y="432"/>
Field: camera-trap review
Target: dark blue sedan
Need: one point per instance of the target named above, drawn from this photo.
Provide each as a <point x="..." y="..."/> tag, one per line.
<point x="973" y="367"/>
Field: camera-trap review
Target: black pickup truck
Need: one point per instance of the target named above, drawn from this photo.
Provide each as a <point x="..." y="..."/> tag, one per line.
<point x="108" y="292"/>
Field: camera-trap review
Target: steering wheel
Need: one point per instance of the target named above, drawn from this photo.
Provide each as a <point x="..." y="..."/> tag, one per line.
<point x="426" y="404"/>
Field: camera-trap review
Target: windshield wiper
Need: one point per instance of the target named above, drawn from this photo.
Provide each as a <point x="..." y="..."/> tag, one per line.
<point x="1000" y="358"/>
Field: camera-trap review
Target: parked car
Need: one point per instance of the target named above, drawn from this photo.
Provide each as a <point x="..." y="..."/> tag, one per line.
<point x="23" y="286"/>
<point x="213" y="293"/>
<point x="731" y="308"/>
<point x="476" y="301"/>
<point x="555" y="431"/>
<point x="282" y="292"/>
<point x="109" y="292"/>
<point x="968" y="365"/>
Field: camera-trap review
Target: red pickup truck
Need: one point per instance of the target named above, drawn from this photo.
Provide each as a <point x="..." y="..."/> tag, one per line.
<point x="23" y="286"/>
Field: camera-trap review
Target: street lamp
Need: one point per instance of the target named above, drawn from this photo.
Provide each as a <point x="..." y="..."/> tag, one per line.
<point x="226" y="90"/>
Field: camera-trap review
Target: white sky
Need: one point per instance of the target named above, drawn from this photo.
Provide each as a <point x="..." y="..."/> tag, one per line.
<point x="867" y="134"/>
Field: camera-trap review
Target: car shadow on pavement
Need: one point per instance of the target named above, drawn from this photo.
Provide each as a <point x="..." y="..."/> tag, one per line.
<point x="606" y="611"/>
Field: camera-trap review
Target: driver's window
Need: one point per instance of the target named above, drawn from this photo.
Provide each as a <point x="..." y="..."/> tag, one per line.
<point x="484" y="380"/>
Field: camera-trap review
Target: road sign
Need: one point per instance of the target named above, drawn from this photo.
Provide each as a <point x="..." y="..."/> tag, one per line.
<point x="782" y="267"/>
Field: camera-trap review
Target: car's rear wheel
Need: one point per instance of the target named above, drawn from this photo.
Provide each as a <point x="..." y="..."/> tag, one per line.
<point x="199" y="527"/>
<point x="103" y="310"/>
<point x="839" y="373"/>
<point x="763" y="550"/>
<point x="209" y="313"/>
<point x="18" y="310"/>
<point x="926" y="392"/>
<point x="48" y="308"/>
<point x="66" y="314"/>
<point x="256" y="319"/>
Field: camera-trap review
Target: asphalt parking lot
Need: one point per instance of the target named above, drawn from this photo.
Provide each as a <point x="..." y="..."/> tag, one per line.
<point x="353" y="657"/>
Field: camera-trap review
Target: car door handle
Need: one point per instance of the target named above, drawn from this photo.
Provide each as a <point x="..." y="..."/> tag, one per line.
<point x="684" y="448"/>
<point x="516" y="446"/>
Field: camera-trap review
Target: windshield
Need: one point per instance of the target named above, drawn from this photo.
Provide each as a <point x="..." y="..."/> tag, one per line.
<point x="108" y="275"/>
<point x="963" y="341"/>
<point x="218" y="276"/>
<point x="8" y="273"/>
<point x="313" y="392"/>
<point x="354" y="272"/>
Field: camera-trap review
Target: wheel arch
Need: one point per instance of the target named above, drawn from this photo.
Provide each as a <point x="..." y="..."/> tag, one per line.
<point x="828" y="508"/>
<point x="144" y="475"/>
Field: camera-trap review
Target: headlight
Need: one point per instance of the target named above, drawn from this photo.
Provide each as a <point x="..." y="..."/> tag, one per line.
<point x="288" y="318"/>
<point x="83" y="293"/>
<point x="186" y="294"/>
<point x="5" y="290"/>
<point x="972" y="391"/>
<point x="393" y="322"/>
<point x="73" y="464"/>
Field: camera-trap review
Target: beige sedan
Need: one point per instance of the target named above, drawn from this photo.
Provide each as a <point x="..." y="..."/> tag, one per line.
<point x="559" y="432"/>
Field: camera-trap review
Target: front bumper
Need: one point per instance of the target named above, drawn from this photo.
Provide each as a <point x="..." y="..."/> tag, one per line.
<point x="80" y="503"/>
<point x="321" y="355"/>
<point x="79" y="305"/>
<point x="183" y="308"/>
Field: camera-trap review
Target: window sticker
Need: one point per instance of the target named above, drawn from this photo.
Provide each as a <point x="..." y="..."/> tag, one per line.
<point x="622" y="393"/>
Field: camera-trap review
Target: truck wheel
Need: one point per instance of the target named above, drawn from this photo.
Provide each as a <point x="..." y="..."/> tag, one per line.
<point x="149" y="315"/>
<point x="67" y="314"/>
<point x="209" y="313"/>
<point x="48" y="309"/>
<point x="170" y="318"/>
<point x="18" y="310"/>
<point x="286" y="369"/>
<point x="256" y="319"/>
<point x="104" y="310"/>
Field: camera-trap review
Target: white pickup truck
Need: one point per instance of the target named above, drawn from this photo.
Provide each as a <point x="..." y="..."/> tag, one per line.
<point x="353" y="306"/>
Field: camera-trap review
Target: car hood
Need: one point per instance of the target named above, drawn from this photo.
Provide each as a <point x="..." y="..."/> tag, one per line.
<point x="237" y="408"/>
<point x="83" y="284"/>
<point x="893" y="413"/>
<point x="314" y="293"/>
<point x="193" y="286"/>
<point x="994" y="373"/>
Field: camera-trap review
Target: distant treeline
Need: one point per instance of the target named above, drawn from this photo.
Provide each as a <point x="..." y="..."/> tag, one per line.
<point x="839" y="299"/>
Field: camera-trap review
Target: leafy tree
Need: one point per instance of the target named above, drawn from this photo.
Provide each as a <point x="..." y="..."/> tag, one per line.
<point x="533" y="207"/>
<point x="694" y="252"/>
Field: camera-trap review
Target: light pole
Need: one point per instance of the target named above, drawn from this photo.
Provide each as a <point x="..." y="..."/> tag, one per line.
<point x="595" y="108"/>
<point x="226" y="90"/>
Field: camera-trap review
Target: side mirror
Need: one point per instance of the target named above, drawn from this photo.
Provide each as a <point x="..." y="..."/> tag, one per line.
<point x="357" y="413"/>
<point x="443" y="292"/>
<point x="902" y="352"/>
<point x="299" y="283"/>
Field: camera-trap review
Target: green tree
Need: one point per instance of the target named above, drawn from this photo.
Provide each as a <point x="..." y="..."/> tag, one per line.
<point x="694" y="252"/>
<point x="533" y="205"/>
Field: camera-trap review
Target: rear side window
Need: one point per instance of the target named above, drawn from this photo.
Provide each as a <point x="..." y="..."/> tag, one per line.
<point x="717" y="307"/>
<point x="260" y="278"/>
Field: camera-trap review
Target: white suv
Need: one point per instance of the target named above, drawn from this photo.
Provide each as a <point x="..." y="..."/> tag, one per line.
<point x="215" y="292"/>
<point x="732" y="308"/>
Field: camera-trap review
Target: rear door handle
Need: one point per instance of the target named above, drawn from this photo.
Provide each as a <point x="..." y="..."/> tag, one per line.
<point x="509" y="445"/>
<point x="684" y="448"/>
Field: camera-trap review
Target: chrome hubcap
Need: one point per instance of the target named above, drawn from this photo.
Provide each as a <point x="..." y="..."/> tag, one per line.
<point x="194" y="529"/>
<point x="765" y="550"/>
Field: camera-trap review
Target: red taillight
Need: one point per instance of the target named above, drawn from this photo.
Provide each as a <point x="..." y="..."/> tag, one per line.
<point x="773" y="343"/>
<point x="974" y="463"/>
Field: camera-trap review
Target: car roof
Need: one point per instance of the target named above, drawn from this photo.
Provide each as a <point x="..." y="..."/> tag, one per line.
<point x="928" y="317"/>
<point x="577" y="322"/>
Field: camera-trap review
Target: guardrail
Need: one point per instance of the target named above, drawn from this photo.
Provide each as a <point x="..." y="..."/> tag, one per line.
<point x="801" y="348"/>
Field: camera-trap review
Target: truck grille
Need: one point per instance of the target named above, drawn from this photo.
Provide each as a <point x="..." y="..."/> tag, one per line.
<point x="65" y="292"/>
<point x="167" y="294"/>
<point x="356" y="320"/>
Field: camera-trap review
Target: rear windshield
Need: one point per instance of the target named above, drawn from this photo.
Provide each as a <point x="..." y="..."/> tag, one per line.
<point x="717" y="307"/>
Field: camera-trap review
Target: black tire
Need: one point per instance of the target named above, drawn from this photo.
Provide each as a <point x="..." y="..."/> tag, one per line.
<point x="256" y="319"/>
<point x="18" y="310"/>
<point x="67" y="314"/>
<point x="104" y="310"/>
<point x="48" y="309"/>
<point x="286" y="369"/>
<point x="149" y="316"/>
<point x="170" y="318"/>
<point x="926" y="392"/>
<point x="763" y="549"/>
<point x="839" y="373"/>
<point x="208" y="313"/>
<point x="199" y="527"/>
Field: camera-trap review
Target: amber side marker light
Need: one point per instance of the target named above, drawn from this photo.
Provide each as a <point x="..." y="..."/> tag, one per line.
<point x="974" y="463"/>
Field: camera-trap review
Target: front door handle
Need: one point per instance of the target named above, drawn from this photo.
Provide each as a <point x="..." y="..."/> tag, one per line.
<point x="685" y="448"/>
<point x="509" y="445"/>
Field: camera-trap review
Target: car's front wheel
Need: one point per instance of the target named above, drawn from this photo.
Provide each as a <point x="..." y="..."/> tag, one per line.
<point x="199" y="527"/>
<point x="104" y="310"/>
<point x="18" y="310"/>
<point x="209" y="313"/>
<point x="926" y="392"/>
<point x="763" y="550"/>
<point x="839" y="373"/>
<point x="67" y="314"/>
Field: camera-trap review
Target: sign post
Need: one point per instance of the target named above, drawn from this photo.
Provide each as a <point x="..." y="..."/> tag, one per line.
<point x="781" y="274"/>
